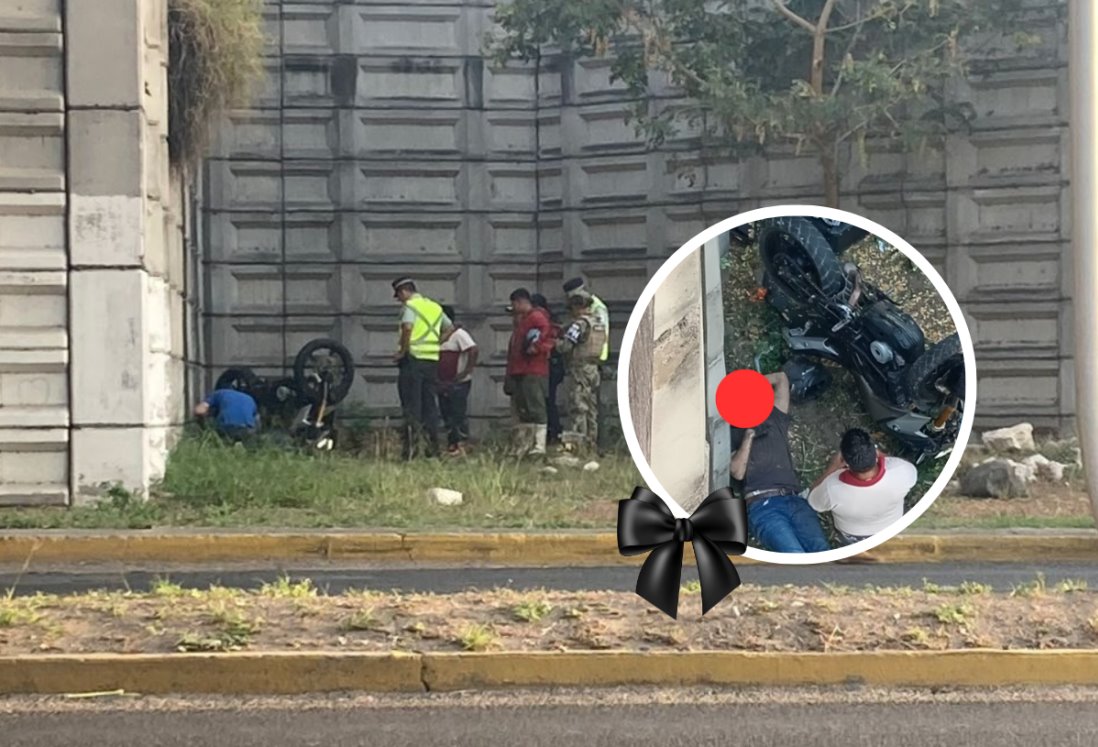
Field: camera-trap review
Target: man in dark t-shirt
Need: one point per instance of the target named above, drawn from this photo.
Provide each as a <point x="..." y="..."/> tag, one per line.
<point x="777" y="515"/>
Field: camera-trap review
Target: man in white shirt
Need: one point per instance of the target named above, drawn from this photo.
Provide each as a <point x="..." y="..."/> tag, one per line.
<point x="457" y="360"/>
<point x="862" y="488"/>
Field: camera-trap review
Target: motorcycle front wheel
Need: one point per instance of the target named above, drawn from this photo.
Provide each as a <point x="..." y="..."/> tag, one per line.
<point x="320" y="361"/>
<point x="938" y="374"/>
<point x="798" y="259"/>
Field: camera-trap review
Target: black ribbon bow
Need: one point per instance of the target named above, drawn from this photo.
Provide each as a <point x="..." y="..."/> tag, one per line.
<point x="717" y="529"/>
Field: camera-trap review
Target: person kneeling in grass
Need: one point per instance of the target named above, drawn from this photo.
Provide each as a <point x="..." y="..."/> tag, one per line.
<point x="236" y="415"/>
<point x="862" y="487"/>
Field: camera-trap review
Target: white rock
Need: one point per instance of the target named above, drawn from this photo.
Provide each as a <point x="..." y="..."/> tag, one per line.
<point x="445" y="497"/>
<point x="1045" y="468"/>
<point x="548" y="470"/>
<point x="1027" y="472"/>
<point x="591" y="467"/>
<point x="1019" y="437"/>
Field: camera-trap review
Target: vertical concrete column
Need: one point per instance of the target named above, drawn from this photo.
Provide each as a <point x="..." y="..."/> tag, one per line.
<point x="717" y="433"/>
<point x="125" y="391"/>
<point x="680" y="448"/>
<point x="1084" y="184"/>
<point x="34" y="411"/>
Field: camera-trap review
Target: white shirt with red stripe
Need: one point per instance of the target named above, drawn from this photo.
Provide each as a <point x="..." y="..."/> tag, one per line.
<point x="864" y="507"/>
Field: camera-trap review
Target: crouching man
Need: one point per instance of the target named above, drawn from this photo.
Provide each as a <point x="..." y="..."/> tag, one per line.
<point x="777" y="515"/>
<point x="862" y="488"/>
<point x="235" y="414"/>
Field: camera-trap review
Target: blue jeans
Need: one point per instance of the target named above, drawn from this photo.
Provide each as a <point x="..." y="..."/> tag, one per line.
<point x="786" y="523"/>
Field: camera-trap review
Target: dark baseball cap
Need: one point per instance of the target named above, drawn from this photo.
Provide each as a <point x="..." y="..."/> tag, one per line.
<point x="573" y="285"/>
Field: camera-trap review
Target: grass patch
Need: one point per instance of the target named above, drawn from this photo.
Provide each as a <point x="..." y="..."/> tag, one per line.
<point x="210" y="484"/>
<point x="477" y="638"/>
<point x="363" y="619"/>
<point x="287" y="588"/>
<point x="532" y="610"/>
<point x="954" y="614"/>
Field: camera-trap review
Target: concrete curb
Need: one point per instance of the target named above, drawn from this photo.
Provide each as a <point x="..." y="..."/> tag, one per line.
<point x="515" y="549"/>
<point x="305" y="672"/>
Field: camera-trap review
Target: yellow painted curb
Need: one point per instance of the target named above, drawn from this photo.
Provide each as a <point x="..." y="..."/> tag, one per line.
<point x="609" y="668"/>
<point x="897" y="668"/>
<point x="272" y="672"/>
<point x="498" y="548"/>
<point x="330" y="671"/>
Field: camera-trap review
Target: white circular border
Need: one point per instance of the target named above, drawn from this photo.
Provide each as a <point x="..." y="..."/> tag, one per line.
<point x="911" y="253"/>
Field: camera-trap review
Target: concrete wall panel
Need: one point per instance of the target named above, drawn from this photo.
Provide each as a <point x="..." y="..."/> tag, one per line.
<point x="406" y="152"/>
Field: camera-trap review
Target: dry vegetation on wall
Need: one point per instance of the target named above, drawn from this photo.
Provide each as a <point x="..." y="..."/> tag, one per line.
<point x="215" y="50"/>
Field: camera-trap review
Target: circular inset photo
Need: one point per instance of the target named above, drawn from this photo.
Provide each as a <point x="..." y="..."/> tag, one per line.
<point x="811" y="360"/>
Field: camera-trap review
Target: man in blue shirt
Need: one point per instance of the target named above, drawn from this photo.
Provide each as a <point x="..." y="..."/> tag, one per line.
<point x="235" y="413"/>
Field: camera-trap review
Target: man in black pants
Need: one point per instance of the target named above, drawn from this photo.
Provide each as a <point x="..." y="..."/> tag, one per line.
<point x="556" y="372"/>
<point x="423" y="329"/>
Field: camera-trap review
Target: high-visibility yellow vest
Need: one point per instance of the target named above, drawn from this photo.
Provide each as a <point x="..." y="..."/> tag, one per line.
<point x="426" y="338"/>
<point x="598" y="308"/>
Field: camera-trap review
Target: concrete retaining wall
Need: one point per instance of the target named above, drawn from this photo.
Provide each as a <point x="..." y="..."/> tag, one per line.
<point x="91" y="272"/>
<point x="384" y="143"/>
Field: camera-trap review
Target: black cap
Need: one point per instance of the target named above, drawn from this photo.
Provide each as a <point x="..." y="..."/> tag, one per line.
<point x="522" y="293"/>
<point x="573" y="285"/>
<point x="539" y="300"/>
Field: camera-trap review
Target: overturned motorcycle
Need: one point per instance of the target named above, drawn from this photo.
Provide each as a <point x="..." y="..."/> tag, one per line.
<point x="305" y="403"/>
<point x="914" y="392"/>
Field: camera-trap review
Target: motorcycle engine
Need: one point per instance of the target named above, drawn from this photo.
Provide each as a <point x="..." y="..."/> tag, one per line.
<point x="895" y="338"/>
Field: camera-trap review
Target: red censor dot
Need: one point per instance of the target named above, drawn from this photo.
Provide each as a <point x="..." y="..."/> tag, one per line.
<point x="745" y="398"/>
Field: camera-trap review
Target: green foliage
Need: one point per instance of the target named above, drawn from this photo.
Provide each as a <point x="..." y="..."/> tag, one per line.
<point x="215" y="54"/>
<point x="955" y="614"/>
<point x="532" y="610"/>
<point x="811" y="73"/>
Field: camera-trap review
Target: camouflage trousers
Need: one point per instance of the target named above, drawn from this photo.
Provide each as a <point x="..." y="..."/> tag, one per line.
<point x="582" y="400"/>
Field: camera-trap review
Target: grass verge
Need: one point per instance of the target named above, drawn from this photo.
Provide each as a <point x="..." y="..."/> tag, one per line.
<point x="295" y="616"/>
<point x="210" y="484"/>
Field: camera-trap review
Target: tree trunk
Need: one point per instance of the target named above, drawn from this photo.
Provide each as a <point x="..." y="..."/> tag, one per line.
<point x="829" y="165"/>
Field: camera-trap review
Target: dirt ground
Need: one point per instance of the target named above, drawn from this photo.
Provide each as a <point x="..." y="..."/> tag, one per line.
<point x="753" y="328"/>
<point x="1049" y="505"/>
<point x="293" y="616"/>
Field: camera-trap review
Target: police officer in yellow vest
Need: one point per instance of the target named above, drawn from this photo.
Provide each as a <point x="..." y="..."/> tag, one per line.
<point x="597" y="309"/>
<point x="423" y="329"/>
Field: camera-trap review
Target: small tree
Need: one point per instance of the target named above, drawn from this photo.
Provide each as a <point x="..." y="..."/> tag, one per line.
<point x="815" y="73"/>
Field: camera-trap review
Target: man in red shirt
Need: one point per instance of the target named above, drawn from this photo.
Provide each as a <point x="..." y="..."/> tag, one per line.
<point x="527" y="379"/>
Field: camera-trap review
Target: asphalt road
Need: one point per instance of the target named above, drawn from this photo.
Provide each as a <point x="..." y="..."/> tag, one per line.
<point x="654" y="717"/>
<point x="1002" y="576"/>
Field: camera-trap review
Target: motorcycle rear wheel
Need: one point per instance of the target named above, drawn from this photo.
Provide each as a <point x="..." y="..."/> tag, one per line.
<point x="937" y="374"/>
<point x="794" y="247"/>
<point x="241" y="379"/>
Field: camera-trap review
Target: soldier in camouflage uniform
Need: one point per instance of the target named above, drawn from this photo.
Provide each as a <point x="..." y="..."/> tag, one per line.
<point x="581" y="343"/>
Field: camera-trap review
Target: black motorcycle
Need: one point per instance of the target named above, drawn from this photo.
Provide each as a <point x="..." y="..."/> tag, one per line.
<point x="912" y="391"/>
<point x="304" y="404"/>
